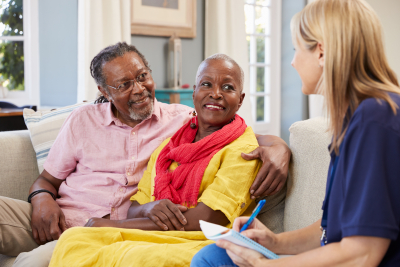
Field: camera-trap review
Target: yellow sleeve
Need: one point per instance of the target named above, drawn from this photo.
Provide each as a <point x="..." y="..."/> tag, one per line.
<point x="229" y="191"/>
<point x="143" y="195"/>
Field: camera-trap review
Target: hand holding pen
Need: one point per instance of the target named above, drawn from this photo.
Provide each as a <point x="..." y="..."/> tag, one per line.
<point x="253" y="215"/>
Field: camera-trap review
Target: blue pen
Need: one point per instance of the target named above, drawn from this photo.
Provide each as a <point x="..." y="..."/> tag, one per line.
<point x="253" y="215"/>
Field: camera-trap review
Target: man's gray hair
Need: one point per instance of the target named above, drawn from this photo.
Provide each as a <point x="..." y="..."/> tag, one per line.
<point x="224" y="57"/>
<point x="106" y="55"/>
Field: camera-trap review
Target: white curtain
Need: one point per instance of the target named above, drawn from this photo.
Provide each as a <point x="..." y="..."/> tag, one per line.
<point x="100" y="23"/>
<point x="225" y="33"/>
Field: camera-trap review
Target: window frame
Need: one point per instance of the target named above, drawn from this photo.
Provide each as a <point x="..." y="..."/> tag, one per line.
<point x="31" y="94"/>
<point x="274" y="125"/>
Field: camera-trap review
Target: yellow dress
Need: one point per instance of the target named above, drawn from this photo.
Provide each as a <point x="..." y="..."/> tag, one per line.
<point x="225" y="187"/>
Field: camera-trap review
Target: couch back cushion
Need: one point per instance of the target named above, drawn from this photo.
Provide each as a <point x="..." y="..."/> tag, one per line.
<point x="18" y="168"/>
<point x="308" y="171"/>
<point x="44" y="127"/>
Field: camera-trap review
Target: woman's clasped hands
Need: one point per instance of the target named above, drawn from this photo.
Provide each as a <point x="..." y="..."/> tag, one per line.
<point x="165" y="214"/>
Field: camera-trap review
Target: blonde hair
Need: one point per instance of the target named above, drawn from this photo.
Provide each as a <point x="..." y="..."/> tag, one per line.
<point x="355" y="65"/>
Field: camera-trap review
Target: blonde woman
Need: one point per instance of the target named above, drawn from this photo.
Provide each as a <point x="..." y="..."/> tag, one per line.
<point x="339" y="54"/>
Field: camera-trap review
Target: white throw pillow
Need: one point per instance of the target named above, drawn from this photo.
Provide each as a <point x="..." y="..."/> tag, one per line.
<point x="44" y="127"/>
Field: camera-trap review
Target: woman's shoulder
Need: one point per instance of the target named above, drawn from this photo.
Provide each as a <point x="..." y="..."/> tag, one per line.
<point x="247" y="139"/>
<point x="378" y="111"/>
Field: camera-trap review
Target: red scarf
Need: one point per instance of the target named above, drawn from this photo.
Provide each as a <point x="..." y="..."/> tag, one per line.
<point x="182" y="185"/>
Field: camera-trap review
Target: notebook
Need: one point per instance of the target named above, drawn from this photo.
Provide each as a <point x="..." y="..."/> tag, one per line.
<point x="216" y="232"/>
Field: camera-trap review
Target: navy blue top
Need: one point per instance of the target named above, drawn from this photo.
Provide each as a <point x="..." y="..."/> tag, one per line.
<point x="365" y="196"/>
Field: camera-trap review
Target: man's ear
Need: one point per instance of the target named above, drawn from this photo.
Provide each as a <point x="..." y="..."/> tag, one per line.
<point x="104" y="93"/>
<point x="321" y="54"/>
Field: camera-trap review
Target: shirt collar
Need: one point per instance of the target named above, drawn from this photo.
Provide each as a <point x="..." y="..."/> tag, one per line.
<point x="157" y="109"/>
<point x="109" y="116"/>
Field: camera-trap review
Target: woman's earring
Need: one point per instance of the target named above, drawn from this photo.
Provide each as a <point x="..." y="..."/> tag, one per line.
<point x="193" y="125"/>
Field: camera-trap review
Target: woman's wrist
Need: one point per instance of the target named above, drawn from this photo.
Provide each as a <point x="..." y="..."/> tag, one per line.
<point x="277" y="243"/>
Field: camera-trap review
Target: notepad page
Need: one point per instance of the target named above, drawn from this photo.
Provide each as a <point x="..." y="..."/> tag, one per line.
<point x="213" y="232"/>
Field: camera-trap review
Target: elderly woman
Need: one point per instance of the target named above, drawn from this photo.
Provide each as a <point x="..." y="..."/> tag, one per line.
<point x="340" y="54"/>
<point x="198" y="171"/>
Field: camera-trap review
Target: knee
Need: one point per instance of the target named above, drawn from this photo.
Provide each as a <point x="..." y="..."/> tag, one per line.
<point x="200" y="259"/>
<point x="211" y="256"/>
<point x="72" y="232"/>
<point x="38" y="257"/>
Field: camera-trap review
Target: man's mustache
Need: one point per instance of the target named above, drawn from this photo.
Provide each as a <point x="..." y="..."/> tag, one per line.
<point x="144" y="94"/>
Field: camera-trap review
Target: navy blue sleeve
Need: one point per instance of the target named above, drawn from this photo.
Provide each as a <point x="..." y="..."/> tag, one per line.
<point x="370" y="166"/>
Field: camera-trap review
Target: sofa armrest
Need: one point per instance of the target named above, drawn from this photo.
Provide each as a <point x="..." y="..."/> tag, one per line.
<point x="18" y="167"/>
<point x="308" y="171"/>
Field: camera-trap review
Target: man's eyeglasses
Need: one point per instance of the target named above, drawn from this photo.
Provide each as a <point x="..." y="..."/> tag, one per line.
<point x="128" y="85"/>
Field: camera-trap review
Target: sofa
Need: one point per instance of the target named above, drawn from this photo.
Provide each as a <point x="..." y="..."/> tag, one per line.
<point x="309" y="140"/>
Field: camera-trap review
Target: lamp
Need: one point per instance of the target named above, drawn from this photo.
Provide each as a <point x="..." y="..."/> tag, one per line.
<point x="174" y="62"/>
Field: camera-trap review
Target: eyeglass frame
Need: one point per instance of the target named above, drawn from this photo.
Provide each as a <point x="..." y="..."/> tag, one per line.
<point x="132" y="83"/>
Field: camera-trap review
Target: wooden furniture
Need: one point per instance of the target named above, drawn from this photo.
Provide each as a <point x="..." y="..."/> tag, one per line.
<point x="11" y="119"/>
<point x="11" y="116"/>
<point x="175" y="96"/>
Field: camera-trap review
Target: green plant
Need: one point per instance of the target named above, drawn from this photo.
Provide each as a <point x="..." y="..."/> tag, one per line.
<point x="12" y="52"/>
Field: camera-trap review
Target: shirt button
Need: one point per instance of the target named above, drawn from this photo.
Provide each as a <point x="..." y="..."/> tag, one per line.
<point x="133" y="133"/>
<point x="121" y="190"/>
<point x="129" y="173"/>
<point x="112" y="209"/>
<point x="133" y="157"/>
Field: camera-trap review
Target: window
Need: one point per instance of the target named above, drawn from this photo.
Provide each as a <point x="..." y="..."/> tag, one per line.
<point x="263" y="26"/>
<point x="19" y="72"/>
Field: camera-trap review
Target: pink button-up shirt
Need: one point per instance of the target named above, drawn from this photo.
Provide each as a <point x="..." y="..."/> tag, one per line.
<point x="101" y="160"/>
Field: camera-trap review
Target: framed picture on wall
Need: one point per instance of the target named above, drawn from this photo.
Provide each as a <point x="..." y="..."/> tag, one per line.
<point x="164" y="17"/>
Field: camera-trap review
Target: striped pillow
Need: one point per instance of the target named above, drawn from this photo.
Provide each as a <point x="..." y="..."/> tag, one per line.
<point x="44" y="127"/>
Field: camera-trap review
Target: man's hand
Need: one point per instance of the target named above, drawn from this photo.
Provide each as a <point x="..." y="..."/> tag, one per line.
<point x="48" y="221"/>
<point x="165" y="214"/>
<point x="274" y="171"/>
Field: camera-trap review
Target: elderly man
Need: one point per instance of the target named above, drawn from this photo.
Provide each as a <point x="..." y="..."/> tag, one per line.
<point x="100" y="155"/>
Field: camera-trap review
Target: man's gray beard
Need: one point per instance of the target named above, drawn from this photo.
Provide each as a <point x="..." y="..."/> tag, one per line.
<point x="143" y="114"/>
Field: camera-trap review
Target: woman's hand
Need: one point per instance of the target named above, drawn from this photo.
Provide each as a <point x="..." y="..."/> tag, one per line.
<point x="165" y="214"/>
<point x="242" y="256"/>
<point x="247" y="257"/>
<point x="100" y="222"/>
<point x="275" y="155"/>
<point x="257" y="231"/>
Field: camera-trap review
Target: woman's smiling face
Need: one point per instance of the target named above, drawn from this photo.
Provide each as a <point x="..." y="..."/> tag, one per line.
<point x="218" y="93"/>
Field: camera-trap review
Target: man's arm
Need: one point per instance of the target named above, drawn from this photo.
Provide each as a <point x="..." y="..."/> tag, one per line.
<point x="48" y="221"/>
<point x="275" y="155"/>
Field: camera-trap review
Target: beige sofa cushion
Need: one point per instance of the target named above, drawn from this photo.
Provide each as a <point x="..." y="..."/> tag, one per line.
<point x="308" y="171"/>
<point x="18" y="168"/>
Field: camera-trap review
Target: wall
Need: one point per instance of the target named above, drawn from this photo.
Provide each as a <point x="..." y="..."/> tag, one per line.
<point x="155" y="50"/>
<point x="58" y="50"/>
<point x="388" y="12"/>
<point x="58" y="23"/>
<point x="293" y="103"/>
